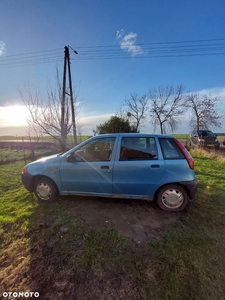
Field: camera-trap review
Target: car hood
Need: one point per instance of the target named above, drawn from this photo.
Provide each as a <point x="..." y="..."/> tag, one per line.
<point x="44" y="162"/>
<point x="46" y="159"/>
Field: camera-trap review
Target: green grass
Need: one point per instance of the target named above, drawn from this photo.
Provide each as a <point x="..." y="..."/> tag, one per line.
<point x="190" y="259"/>
<point x="44" y="138"/>
<point x="181" y="136"/>
<point x="7" y="155"/>
<point x="45" y="248"/>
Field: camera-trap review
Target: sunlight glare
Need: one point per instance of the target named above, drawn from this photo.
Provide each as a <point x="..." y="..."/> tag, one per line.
<point x="13" y="116"/>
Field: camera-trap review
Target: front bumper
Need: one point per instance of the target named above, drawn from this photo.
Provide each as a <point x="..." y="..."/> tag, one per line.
<point x="191" y="187"/>
<point x="28" y="181"/>
<point x="208" y="144"/>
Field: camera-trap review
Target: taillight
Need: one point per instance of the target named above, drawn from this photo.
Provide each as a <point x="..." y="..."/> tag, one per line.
<point x="186" y="153"/>
<point x="24" y="170"/>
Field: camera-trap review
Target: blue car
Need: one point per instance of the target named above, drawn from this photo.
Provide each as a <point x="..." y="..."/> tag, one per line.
<point x="143" y="166"/>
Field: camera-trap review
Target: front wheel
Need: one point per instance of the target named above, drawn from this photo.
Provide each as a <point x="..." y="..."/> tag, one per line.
<point x="45" y="189"/>
<point x="172" y="197"/>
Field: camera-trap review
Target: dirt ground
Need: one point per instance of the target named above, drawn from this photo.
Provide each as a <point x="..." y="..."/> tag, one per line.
<point x="138" y="220"/>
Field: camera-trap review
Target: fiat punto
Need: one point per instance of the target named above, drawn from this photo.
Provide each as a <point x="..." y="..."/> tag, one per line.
<point x="143" y="166"/>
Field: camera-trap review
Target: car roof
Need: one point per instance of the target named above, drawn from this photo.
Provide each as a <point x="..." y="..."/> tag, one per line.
<point x="134" y="135"/>
<point x="201" y="130"/>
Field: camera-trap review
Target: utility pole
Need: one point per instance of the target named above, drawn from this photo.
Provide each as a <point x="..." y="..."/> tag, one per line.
<point x="71" y="101"/>
<point x="63" y="129"/>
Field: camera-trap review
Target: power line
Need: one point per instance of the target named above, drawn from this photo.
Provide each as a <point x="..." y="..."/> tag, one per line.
<point x="210" y="47"/>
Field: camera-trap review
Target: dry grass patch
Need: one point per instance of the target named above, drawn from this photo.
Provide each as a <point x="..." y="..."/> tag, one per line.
<point x="212" y="154"/>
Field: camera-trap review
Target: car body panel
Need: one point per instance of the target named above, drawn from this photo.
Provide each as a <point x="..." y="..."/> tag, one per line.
<point x="89" y="177"/>
<point x="137" y="180"/>
<point x="177" y="168"/>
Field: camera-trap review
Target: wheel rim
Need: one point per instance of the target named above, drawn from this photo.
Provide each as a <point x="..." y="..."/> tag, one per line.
<point x="172" y="198"/>
<point x="44" y="191"/>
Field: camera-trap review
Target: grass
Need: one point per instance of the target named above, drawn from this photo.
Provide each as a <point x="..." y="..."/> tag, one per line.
<point x="7" y="155"/>
<point x="45" y="248"/>
<point x="43" y="138"/>
<point x="181" y="136"/>
<point x="190" y="259"/>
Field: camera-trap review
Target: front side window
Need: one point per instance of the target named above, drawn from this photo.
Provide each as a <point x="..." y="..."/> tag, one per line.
<point x="97" y="150"/>
<point x="141" y="148"/>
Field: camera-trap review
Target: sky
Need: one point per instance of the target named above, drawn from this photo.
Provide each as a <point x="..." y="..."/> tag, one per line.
<point x="124" y="47"/>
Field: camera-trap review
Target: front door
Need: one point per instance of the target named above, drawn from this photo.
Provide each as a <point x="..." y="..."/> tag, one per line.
<point x="90" y="170"/>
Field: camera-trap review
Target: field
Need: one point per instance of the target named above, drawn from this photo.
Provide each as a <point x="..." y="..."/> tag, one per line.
<point x="90" y="248"/>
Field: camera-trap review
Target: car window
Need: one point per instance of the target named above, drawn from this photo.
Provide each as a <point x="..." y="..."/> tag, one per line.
<point x="97" y="150"/>
<point x="206" y="133"/>
<point x="143" y="148"/>
<point x="170" y="149"/>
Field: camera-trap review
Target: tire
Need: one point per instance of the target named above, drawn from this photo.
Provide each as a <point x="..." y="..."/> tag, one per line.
<point x="45" y="189"/>
<point x="172" y="197"/>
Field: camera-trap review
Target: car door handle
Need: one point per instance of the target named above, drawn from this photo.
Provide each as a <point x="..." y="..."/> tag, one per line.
<point x="104" y="167"/>
<point x="155" y="166"/>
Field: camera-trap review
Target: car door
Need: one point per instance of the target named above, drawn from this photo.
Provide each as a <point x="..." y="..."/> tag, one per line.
<point x="89" y="168"/>
<point x="139" y="167"/>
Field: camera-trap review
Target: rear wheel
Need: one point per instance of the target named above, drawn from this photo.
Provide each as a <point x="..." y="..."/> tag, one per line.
<point x="172" y="197"/>
<point x="45" y="189"/>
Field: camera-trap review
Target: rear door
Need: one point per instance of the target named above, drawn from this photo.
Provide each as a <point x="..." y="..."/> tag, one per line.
<point x="139" y="167"/>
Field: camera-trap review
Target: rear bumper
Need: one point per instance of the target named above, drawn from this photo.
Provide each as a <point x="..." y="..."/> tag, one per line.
<point x="191" y="187"/>
<point x="27" y="181"/>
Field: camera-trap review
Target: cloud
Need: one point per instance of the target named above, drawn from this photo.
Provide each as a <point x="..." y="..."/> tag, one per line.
<point x="2" y="48"/>
<point x="128" y="42"/>
<point x="217" y="91"/>
<point x="212" y="92"/>
<point x="94" y="119"/>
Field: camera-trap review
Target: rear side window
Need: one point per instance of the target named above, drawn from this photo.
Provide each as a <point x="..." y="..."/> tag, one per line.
<point x="170" y="149"/>
<point x="141" y="148"/>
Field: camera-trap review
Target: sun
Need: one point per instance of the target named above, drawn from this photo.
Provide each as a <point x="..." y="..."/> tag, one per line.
<point x="15" y="115"/>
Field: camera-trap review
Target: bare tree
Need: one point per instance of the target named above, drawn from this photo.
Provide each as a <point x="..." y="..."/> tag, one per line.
<point x="136" y="109"/>
<point x="45" y="113"/>
<point x="166" y="107"/>
<point x="204" y="111"/>
<point x="34" y="137"/>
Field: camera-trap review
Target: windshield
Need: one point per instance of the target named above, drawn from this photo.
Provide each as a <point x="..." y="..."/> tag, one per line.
<point x="206" y="133"/>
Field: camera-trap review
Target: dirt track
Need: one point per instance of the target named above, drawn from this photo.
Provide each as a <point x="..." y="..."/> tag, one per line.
<point x="136" y="219"/>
